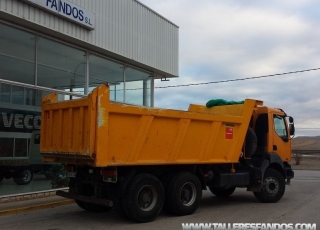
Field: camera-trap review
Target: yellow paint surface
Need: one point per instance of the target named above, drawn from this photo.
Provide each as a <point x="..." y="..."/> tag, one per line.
<point x="94" y="131"/>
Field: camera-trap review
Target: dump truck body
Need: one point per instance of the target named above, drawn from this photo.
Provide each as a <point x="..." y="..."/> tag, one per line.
<point x="96" y="132"/>
<point x="141" y="159"/>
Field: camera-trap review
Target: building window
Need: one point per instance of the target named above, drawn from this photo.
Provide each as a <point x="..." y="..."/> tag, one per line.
<point x="17" y="54"/>
<point x="5" y="92"/>
<point x="138" y="87"/>
<point x="60" y="66"/>
<point x="36" y="60"/>
<point x="30" y="97"/>
<point x="17" y="95"/>
<point x="6" y="147"/>
<point x="102" y="70"/>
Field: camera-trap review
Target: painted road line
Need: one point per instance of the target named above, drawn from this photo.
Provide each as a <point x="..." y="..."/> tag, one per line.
<point x="36" y="207"/>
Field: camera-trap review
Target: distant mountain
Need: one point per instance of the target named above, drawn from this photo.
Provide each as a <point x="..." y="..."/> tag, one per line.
<point x="308" y="143"/>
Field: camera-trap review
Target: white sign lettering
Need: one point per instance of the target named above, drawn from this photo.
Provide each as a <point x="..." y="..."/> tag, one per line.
<point x="20" y="121"/>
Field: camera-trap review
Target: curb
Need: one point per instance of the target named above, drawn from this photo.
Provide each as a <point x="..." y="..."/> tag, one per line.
<point x="36" y="207"/>
<point x="29" y="196"/>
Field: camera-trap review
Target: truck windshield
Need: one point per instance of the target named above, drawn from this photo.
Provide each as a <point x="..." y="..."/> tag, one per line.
<point x="280" y="127"/>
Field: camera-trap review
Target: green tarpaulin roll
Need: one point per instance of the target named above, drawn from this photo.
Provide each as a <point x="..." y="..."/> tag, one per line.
<point x="219" y="102"/>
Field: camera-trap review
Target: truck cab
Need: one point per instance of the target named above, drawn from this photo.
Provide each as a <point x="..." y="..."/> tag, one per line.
<point x="274" y="131"/>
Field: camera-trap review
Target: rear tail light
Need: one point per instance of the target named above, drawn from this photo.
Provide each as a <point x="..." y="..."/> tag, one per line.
<point x="109" y="174"/>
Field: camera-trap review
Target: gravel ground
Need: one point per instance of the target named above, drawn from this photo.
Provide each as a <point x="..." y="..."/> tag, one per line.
<point x="307" y="163"/>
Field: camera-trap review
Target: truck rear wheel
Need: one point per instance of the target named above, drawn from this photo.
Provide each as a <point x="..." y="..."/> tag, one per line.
<point x="144" y="198"/>
<point x="92" y="207"/>
<point x="23" y="176"/>
<point x="273" y="187"/>
<point x="222" y="192"/>
<point x="183" y="194"/>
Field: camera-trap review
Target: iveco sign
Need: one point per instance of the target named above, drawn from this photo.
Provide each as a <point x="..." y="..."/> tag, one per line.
<point x="12" y="120"/>
<point x="68" y="10"/>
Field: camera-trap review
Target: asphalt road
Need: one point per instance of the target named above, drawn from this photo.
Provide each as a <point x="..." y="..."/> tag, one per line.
<point x="300" y="204"/>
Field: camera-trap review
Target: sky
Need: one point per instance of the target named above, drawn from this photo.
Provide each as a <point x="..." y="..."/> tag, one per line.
<point x="231" y="39"/>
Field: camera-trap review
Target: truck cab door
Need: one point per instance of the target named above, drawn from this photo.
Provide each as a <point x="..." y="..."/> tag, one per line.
<point x="281" y="138"/>
<point x="34" y="148"/>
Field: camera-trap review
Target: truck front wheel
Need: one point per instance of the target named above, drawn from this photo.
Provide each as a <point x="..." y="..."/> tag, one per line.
<point x="144" y="198"/>
<point x="183" y="194"/>
<point x="273" y="187"/>
<point x="222" y="192"/>
<point x="23" y="176"/>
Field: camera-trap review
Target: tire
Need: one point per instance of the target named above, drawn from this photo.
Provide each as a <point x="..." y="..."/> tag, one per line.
<point x="222" y="192"/>
<point x="23" y="176"/>
<point x="92" y="207"/>
<point x="251" y="142"/>
<point x="183" y="194"/>
<point x="144" y="198"/>
<point x="273" y="187"/>
<point x="1" y="177"/>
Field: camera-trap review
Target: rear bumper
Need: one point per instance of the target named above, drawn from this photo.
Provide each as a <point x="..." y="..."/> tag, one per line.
<point x="87" y="199"/>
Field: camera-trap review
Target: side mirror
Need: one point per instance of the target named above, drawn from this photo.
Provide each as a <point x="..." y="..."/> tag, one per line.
<point x="291" y="129"/>
<point x="290" y="119"/>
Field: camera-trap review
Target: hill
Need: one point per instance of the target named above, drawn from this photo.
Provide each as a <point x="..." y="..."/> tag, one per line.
<point x="306" y="144"/>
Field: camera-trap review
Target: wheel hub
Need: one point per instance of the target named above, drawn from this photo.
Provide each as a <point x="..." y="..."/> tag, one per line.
<point x="147" y="198"/>
<point x="188" y="194"/>
<point x="271" y="185"/>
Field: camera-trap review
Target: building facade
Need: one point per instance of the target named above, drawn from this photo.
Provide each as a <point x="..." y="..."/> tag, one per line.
<point x="70" y="47"/>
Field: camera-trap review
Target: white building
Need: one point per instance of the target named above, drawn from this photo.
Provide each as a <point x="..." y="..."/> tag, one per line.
<point x="71" y="46"/>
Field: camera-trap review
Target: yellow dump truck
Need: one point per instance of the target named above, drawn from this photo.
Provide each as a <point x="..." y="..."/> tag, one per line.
<point x="140" y="160"/>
